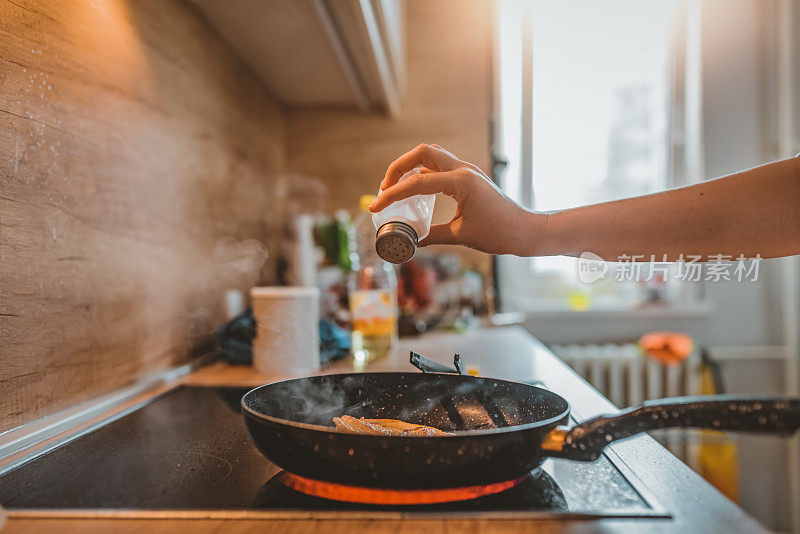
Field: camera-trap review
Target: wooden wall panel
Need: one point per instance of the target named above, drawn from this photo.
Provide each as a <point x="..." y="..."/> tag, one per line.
<point x="139" y="163"/>
<point x="448" y="102"/>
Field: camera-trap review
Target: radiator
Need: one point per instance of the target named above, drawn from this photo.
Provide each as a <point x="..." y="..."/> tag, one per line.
<point x="626" y="377"/>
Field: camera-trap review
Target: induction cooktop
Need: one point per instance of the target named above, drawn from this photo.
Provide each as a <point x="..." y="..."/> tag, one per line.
<point x="186" y="453"/>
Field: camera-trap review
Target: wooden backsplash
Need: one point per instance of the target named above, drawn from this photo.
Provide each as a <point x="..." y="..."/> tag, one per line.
<point x="138" y="160"/>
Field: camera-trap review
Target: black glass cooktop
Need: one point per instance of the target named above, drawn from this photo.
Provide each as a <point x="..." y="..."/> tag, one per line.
<point x="188" y="451"/>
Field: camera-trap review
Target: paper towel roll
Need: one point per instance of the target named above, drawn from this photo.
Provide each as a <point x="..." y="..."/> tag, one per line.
<point x="287" y="330"/>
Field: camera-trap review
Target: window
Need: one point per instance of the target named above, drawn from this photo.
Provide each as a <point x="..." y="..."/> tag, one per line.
<point x="586" y="99"/>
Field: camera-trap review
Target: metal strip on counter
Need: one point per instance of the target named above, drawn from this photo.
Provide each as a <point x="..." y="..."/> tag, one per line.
<point x="17" y="440"/>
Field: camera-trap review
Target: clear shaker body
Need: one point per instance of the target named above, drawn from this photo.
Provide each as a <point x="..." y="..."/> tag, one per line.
<point x="415" y="211"/>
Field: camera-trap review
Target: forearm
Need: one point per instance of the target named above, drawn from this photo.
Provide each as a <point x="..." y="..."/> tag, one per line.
<point x="753" y="212"/>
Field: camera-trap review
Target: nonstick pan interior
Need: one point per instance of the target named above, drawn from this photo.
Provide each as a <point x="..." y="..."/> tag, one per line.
<point x="448" y="402"/>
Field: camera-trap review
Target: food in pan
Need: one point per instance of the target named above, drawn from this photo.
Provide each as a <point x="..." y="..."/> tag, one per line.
<point x="386" y="427"/>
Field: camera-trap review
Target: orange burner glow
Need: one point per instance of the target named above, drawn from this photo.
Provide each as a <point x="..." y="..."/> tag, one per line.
<point x="363" y="495"/>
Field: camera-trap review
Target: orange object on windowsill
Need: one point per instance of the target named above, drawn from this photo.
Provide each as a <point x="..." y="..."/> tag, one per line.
<point x="669" y="348"/>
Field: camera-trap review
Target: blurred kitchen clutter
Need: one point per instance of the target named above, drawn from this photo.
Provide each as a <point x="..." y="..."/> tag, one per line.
<point x="365" y="302"/>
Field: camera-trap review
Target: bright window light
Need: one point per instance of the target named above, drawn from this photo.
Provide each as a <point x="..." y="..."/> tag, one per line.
<point x="600" y="104"/>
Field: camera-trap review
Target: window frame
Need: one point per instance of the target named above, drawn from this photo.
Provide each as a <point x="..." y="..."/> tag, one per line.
<point x="513" y="171"/>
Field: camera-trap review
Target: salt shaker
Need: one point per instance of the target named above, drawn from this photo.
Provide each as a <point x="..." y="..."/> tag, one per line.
<point x="402" y="225"/>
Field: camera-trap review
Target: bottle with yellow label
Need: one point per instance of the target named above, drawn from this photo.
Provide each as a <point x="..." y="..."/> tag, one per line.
<point x="372" y="294"/>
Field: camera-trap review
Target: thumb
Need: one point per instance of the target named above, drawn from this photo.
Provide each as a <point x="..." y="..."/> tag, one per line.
<point x="440" y="234"/>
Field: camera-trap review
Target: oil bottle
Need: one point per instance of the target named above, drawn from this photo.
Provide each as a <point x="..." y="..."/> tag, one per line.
<point x="372" y="291"/>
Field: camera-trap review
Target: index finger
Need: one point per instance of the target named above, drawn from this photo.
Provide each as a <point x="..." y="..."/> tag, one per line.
<point x="450" y="183"/>
<point x="431" y="156"/>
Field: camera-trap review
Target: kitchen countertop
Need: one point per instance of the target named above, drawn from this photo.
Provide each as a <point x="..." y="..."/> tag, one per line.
<point x="508" y="353"/>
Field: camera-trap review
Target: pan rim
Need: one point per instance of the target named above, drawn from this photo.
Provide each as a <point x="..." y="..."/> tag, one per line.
<point x="455" y="434"/>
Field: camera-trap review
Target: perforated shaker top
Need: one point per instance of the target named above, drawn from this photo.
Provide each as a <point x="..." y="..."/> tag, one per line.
<point x="396" y="242"/>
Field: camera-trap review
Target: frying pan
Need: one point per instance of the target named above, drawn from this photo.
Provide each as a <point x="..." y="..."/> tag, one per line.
<point x="501" y="429"/>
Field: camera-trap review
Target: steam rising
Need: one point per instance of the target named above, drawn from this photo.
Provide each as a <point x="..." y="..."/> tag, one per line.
<point x="315" y="401"/>
<point x="238" y="263"/>
<point x="231" y="265"/>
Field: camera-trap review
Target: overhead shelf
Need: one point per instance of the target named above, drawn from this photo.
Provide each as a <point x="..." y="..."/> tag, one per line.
<point x="343" y="53"/>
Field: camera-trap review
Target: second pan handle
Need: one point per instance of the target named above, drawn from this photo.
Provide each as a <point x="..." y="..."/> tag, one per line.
<point x="735" y="413"/>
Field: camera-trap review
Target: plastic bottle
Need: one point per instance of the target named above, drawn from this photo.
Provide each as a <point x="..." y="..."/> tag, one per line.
<point x="372" y="290"/>
<point x="402" y="225"/>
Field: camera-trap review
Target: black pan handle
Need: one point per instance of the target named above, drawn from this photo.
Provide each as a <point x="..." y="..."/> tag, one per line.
<point x="427" y="365"/>
<point x="735" y="413"/>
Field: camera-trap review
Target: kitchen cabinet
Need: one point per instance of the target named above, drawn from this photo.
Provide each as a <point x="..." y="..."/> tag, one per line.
<point x="343" y="53"/>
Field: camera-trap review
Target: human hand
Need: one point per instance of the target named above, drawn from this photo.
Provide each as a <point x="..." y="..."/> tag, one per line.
<point x="486" y="219"/>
